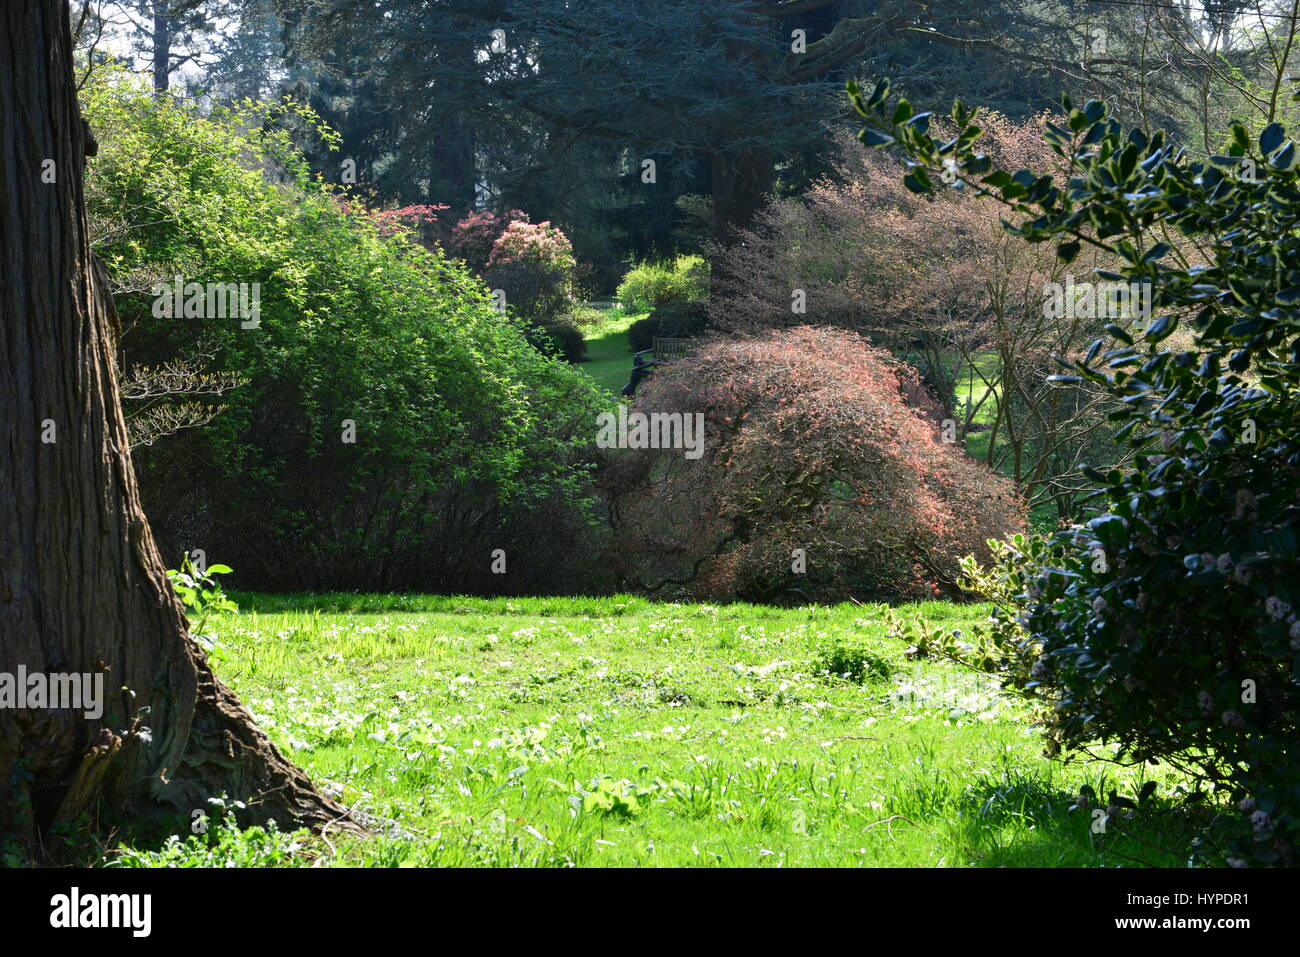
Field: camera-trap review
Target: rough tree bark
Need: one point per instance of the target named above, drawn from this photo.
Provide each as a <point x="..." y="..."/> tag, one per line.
<point x="162" y="49"/>
<point x="740" y="184"/>
<point x="82" y="586"/>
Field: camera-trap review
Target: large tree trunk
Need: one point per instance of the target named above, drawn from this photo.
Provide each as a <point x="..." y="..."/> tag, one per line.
<point x="740" y="182"/>
<point x="162" y="49"/>
<point x="82" y="587"/>
<point x="453" y="181"/>
<point x="454" y="177"/>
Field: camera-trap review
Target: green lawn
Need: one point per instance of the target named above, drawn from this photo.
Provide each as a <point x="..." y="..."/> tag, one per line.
<point x="618" y="731"/>
<point x="609" y="357"/>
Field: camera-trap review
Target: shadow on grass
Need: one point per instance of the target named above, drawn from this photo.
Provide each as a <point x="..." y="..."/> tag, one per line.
<point x="1020" y="820"/>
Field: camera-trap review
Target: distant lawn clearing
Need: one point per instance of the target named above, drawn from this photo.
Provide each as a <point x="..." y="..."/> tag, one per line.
<point x="619" y="731"/>
<point x="609" y="356"/>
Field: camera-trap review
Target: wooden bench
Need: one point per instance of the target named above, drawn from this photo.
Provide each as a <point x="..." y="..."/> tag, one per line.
<point x="664" y="351"/>
<point x="671" y="348"/>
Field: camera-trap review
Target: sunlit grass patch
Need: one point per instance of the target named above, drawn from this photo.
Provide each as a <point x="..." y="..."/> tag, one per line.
<point x="620" y="731"/>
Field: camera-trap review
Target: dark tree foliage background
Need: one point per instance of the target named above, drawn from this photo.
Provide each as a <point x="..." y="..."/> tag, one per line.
<point x="552" y="106"/>
<point x="557" y="112"/>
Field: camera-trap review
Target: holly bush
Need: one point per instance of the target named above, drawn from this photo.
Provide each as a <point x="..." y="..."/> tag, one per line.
<point x="1166" y="624"/>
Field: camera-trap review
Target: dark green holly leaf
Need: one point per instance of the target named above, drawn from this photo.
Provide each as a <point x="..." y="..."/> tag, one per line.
<point x="1271" y="138"/>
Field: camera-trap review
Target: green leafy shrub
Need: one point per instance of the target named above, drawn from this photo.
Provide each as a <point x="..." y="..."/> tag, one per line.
<point x="217" y="840"/>
<point x="393" y="429"/>
<point x="561" y="339"/>
<point x="999" y="646"/>
<point x="651" y="285"/>
<point x="616" y="798"/>
<point x="1167" y="625"/>
<point x="853" y="662"/>
<point x="201" y="595"/>
<point x="678" y="320"/>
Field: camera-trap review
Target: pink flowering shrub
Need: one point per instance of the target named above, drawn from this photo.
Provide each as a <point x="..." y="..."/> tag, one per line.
<point x="533" y="264"/>
<point x="406" y="217"/>
<point x="536" y="241"/>
<point x="417" y="220"/>
<point x="818" y="445"/>
<point x="474" y="236"/>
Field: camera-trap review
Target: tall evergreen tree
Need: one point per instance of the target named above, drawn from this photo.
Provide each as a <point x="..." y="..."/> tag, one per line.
<point x="746" y="88"/>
